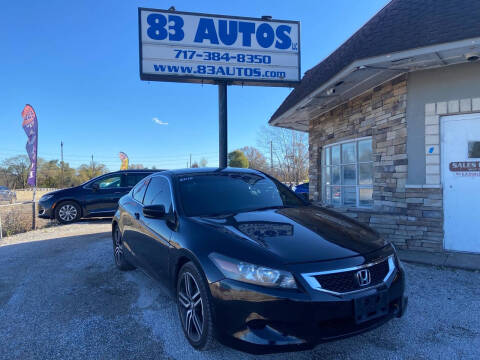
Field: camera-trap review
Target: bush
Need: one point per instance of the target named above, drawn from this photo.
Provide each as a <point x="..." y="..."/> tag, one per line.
<point x="15" y="221"/>
<point x="18" y="219"/>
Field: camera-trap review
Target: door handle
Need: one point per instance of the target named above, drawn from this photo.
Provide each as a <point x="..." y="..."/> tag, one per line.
<point x="137" y="216"/>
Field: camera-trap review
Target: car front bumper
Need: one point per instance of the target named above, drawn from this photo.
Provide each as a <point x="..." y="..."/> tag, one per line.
<point x="262" y="320"/>
<point x="46" y="209"/>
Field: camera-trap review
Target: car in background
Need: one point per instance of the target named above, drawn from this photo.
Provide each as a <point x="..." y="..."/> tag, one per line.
<point x="97" y="197"/>
<point x="302" y="190"/>
<point x="252" y="264"/>
<point x="7" y="195"/>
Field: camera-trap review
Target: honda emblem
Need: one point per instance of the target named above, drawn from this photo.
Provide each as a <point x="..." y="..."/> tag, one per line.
<point x="363" y="277"/>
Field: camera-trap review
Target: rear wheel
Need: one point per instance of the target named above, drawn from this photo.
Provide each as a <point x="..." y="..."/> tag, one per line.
<point x="118" y="251"/>
<point x="194" y="308"/>
<point x="67" y="212"/>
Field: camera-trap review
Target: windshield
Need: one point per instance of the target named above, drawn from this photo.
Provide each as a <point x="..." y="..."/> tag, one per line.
<point x="227" y="193"/>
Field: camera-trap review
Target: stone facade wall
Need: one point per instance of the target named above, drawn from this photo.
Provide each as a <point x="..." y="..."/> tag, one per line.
<point x="410" y="216"/>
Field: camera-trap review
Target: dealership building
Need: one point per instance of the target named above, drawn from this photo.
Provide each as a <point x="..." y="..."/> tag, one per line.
<point x="393" y="117"/>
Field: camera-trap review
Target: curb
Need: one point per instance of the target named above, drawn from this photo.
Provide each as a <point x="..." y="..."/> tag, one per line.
<point x="457" y="260"/>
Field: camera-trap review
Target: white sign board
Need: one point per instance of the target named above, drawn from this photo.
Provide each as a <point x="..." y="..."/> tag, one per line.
<point x="203" y="48"/>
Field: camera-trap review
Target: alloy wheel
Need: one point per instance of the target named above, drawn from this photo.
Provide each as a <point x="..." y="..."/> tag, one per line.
<point x="191" y="307"/>
<point x="67" y="213"/>
<point x="118" y="251"/>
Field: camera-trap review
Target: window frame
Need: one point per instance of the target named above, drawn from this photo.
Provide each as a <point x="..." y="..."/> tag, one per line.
<point x="340" y="165"/>
<point x="126" y="175"/>
<point x="145" y="180"/>
<point x="172" y="198"/>
<point x="105" y="177"/>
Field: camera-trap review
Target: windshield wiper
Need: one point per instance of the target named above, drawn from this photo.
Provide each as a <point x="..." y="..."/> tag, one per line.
<point x="268" y="208"/>
<point x="218" y="215"/>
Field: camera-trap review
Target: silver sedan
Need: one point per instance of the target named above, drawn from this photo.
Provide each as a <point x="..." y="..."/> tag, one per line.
<point x="7" y="195"/>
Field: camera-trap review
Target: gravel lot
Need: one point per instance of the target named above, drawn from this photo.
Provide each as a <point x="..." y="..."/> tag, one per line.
<point x="61" y="297"/>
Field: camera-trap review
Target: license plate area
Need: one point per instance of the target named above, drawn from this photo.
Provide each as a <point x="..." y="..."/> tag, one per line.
<point x="371" y="307"/>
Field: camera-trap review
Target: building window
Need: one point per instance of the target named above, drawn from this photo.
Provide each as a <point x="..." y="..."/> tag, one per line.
<point x="474" y="149"/>
<point x="347" y="173"/>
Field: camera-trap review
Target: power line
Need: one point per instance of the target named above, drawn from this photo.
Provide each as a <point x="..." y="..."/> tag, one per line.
<point x="41" y="154"/>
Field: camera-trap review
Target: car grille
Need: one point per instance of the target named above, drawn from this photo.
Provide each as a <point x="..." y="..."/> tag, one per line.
<point x="342" y="282"/>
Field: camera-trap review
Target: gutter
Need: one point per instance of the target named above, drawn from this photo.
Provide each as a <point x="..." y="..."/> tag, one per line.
<point x="370" y="63"/>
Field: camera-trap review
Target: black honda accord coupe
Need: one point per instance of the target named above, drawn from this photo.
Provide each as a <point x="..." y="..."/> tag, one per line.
<point x="252" y="264"/>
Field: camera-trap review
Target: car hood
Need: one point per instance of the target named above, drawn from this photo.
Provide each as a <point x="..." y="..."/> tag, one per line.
<point x="299" y="234"/>
<point x="61" y="192"/>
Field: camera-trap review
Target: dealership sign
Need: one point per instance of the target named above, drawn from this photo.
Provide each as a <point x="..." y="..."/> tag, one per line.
<point x="203" y="48"/>
<point x="465" y="168"/>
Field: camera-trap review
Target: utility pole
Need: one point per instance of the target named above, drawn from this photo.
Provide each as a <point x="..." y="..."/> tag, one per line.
<point x="271" y="156"/>
<point x="93" y="168"/>
<point x="190" y="160"/>
<point x="61" y="156"/>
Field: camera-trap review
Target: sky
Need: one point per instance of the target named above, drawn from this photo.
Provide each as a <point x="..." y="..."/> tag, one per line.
<point x="77" y="62"/>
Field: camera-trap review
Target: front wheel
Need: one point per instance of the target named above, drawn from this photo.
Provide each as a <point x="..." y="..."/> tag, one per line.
<point x="67" y="212"/>
<point x="118" y="251"/>
<point x="194" y="308"/>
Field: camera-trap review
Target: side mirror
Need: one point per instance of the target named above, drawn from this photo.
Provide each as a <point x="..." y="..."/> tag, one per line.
<point x="154" y="211"/>
<point x="95" y="186"/>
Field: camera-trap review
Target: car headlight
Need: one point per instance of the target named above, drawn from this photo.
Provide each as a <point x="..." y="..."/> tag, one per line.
<point x="46" y="197"/>
<point x="253" y="274"/>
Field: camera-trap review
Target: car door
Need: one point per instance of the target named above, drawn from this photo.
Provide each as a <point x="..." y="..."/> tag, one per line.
<point x="102" y="195"/>
<point x="151" y="241"/>
<point x="130" y="220"/>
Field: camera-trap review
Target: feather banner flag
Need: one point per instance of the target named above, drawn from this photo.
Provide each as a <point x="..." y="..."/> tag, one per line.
<point x="30" y="126"/>
<point x="124" y="159"/>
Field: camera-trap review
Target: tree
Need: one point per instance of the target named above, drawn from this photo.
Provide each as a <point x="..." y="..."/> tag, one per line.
<point x="15" y="170"/>
<point x="256" y="160"/>
<point x="87" y="172"/>
<point x="49" y="173"/>
<point x="203" y="162"/>
<point x="237" y="159"/>
<point x="195" y="165"/>
<point x="290" y="152"/>
<point x="70" y="177"/>
<point x="136" y="166"/>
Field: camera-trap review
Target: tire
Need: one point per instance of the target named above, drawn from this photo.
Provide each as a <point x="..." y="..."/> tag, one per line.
<point x="67" y="212"/>
<point x="119" y="252"/>
<point x="195" y="311"/>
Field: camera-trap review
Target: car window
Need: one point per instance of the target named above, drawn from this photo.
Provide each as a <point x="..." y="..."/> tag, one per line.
<point x="138" y="192"/>
<point x="225" y="193"/>
<point x="134" y="179"/>
<point x="158" y="193"/>
<point x="110" y="182"/>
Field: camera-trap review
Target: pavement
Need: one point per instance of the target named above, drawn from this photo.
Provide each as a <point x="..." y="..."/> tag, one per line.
<point x="62" y="297"/>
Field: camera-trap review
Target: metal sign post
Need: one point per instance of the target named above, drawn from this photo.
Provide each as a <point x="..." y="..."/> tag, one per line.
<point x="222" y="125"/>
